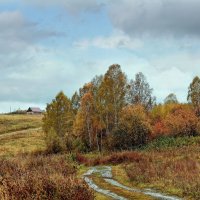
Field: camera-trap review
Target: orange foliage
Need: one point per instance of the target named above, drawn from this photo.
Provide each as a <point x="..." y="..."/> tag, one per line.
<point x="182" y="122"/>
<point x="174" y="120"/>
<point x="159" y="129"/>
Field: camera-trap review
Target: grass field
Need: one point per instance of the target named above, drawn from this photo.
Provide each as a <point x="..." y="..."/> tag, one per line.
<point x="27" y="175"/>
<point x="20" y="134"/>
<point x="171" y="165"/>
<point x="23" y="142"/>
<point x="10" y="123"/>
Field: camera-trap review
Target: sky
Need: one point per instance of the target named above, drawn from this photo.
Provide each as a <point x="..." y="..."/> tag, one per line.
<point x="52" y="45"/>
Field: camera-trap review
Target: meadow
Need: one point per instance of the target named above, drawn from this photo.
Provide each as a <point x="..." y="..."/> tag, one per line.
<point x="10" y="123"/>
<point x="28" y="172"/>
<point x="167" y="164"/>
<point x="26" y="141"/>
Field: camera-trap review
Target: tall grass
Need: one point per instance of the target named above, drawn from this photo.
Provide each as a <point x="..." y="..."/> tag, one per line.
<point x="176" y="170"/>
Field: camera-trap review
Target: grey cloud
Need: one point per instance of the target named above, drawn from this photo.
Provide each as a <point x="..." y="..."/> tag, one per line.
<point x="156" y="17"/>
<point x="72" y="6"/>
<point x="17" y="34"/>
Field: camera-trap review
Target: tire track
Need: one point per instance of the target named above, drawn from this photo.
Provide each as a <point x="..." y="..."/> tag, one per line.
<point x="106" y="174"/>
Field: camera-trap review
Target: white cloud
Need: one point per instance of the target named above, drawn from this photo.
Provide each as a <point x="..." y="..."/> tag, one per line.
<point x="117" y="40"/>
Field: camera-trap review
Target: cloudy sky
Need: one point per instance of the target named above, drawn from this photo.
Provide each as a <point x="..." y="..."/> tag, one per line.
<point x="52" y="45"/>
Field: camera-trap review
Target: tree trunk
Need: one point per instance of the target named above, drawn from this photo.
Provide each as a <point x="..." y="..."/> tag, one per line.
<point x="89" y="134"/>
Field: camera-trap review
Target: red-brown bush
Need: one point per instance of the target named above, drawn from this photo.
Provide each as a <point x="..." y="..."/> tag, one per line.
<point x="114" y="158"/>
<point x="182" y="122"/>
<point x="41" y="178"/>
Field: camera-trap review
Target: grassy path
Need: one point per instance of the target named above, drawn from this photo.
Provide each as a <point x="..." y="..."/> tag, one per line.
<point x="101" y="180"/>
<point x="15" y="133"/>
<point x="26" y="141"/>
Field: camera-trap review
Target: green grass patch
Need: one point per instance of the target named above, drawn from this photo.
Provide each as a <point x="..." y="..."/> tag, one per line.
<point x="171" y="142"/>
<point x="119" y="191"/>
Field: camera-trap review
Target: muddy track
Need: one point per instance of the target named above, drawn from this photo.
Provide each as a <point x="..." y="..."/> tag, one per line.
<point x="105" y="173"/>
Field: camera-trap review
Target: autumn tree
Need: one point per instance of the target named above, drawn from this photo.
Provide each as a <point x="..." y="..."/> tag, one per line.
<point x="89" y="123"/>
<point x="84" y="124"/>
<point x="98" y="124"/>
<point x="134" y="128"/>
<point x="87" y="108"/>
<point x="140" y="92"/>
<point x="111" y="96"/>
<point x="58" y="118"/>
<point x="75" y="100"/>
<point x="171" y="99"/>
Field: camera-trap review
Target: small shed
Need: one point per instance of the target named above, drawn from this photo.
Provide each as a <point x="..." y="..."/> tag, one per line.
<point x="34" y="110"/>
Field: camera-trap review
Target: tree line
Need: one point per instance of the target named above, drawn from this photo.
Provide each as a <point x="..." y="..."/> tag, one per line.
<point x="114" y="113"/>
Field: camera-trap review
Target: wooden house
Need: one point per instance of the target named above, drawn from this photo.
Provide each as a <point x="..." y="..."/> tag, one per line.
<point x="34" y="111"/>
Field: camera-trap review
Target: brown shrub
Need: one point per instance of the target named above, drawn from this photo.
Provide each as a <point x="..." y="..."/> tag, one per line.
<point x="41" y="178"/>
<point x="81" y="159"/>
<point x="182" y="122"/>
<point x="158" y="129"/>
<point x="114" y="158"/>
<point x="179" y="120"/>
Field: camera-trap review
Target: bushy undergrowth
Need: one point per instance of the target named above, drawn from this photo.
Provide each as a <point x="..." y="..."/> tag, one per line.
<point x="41" y="178"/>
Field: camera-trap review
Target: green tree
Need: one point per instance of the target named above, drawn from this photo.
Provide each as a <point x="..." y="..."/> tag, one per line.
<point x="75" y="100"/>
<point x="171" y="99"/>
<point x="140" y="92"/>
<point x="134" y="128"/>
<point x="58" y="117"/>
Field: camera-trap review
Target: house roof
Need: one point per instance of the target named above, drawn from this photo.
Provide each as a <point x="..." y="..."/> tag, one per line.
<point x="34" y="109"/>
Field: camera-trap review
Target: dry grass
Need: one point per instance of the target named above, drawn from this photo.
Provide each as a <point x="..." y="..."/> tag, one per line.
<point x="113" y="158"/>
<point x="23" y="142"/>
<point x="119" y="191"/>
<point x="175" y="171"/>
<point x="41" y="177"/>
<point x="10" y="123"/>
